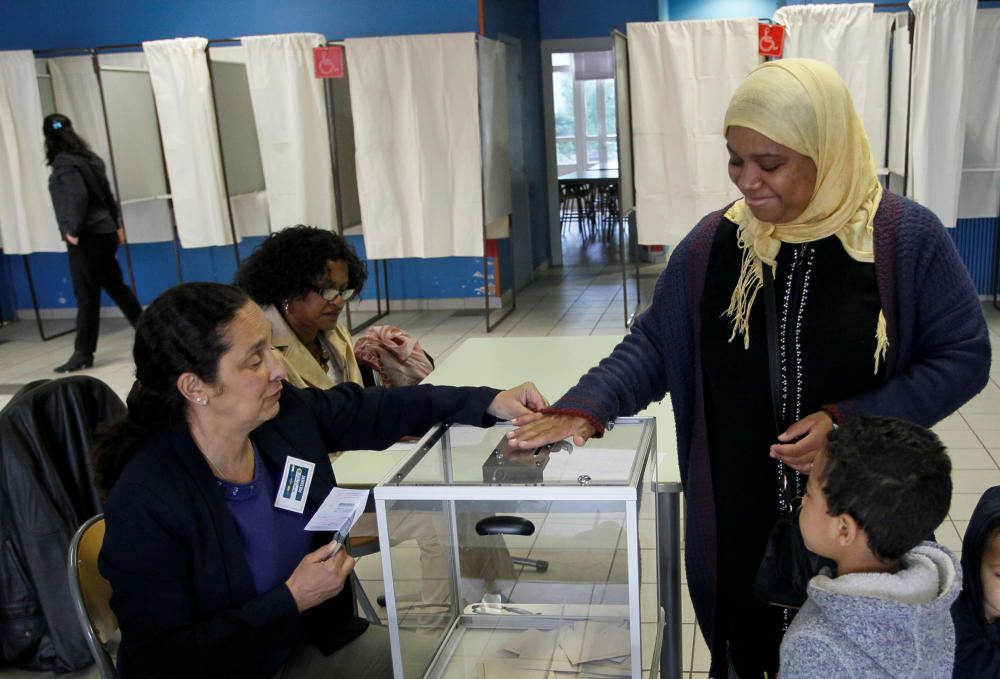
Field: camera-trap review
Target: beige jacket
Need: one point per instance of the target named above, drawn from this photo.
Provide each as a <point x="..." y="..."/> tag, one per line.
<point x="301" y="369"/>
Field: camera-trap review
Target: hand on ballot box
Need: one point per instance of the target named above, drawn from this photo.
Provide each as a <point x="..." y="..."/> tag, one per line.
<point x="539" y="430"/>
<point x="522" y="402"/>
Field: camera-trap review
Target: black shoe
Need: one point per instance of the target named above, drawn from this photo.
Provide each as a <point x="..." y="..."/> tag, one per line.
<point x="76" y="362"/>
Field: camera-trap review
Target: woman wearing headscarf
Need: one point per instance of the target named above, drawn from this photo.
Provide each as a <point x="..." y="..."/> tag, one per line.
<point x="87" y="213"/>
<point x="875" y="314"/>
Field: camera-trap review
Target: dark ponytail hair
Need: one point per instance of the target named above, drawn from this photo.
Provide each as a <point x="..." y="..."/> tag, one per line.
<point x="183" y="330"/>
<point x="60" y="137"/>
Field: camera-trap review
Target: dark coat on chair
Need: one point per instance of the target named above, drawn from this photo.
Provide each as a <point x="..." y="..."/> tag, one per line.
<point x="46" y="493"/>
<point x="182" y="588"/>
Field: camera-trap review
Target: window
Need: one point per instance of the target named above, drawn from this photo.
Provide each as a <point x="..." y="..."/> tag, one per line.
<point x="584" y="109"/>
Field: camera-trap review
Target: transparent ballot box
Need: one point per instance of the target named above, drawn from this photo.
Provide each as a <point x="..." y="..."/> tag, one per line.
<point x="521" y="564"/>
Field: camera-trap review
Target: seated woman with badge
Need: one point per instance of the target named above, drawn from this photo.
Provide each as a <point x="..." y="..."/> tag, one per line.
<point x="303" y="277"/>
<point x="211" y="479"/>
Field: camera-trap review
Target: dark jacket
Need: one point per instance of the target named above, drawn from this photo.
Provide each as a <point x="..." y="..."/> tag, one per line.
<point x="939" y="357"/>
<point x="182" y="588"/>
<point x="46" y="493"/>
<point x="81" y="195"/>
<point x="977" y="643"/>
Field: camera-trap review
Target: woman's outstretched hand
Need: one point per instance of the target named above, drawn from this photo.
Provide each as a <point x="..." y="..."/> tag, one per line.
<point x="533" y="432"/>
<point x="522" y="402"/>
<point x="801" y="442"/>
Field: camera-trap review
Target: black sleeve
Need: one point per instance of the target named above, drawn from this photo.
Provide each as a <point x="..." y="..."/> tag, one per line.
<point x="353" y="418"/>
<point x="70" y="200"/>
<point x="149" y="559"/>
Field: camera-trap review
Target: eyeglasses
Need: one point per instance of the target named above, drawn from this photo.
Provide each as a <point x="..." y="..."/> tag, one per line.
<point x="331" y="294"/>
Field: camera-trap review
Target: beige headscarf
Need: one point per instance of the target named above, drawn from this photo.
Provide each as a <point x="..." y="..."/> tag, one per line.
<point x="804" y="104"/>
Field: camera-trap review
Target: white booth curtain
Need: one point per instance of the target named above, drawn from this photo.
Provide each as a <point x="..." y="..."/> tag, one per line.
<point x="290" y="112"/>
<point x="181" y="84"/>
<point x="838" y="35"/>
<point x="78" y="96"/>
<point x="27" y="219"/>
<point x="980" y="190"/>
<point x="415" y="105"/>
<point x="682" y="75"/>
<point x="876" y="117"/>
<point x="941" y="58"/>
<point x="854" y="40"/>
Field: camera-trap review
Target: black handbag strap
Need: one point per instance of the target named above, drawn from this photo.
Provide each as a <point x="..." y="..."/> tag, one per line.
<point x="774" y="370"/>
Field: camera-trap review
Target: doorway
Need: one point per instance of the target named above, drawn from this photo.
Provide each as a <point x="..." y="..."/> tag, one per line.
<point x="582" y="150"/>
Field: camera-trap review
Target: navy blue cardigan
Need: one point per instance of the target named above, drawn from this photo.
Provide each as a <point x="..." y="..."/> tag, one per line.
<point x="182" y="588"/>
<point x="939" y="357"/>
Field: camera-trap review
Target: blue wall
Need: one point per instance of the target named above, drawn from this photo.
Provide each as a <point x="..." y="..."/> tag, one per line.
<point x="519" y="19"/>
<point x="722" y="9"/>
<point x="46" y="24"/>
<point x="6" y="291"/>
<point x="36" y="24"/>
<point x="567" y="19"/>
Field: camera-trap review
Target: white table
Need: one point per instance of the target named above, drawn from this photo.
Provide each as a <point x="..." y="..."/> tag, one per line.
<point x="555" y="364"/>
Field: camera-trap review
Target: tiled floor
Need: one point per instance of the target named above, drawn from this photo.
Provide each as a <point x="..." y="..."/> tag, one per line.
<point x="582" y="298"/>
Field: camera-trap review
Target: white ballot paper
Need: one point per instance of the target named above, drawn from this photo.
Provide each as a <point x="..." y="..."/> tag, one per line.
<point x="340" y="511"/>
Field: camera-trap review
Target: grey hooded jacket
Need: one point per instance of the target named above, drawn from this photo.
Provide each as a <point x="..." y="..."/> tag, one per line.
<point x="878" y="624"/>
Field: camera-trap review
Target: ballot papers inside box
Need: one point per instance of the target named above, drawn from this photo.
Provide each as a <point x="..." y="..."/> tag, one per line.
<point x="543" y="554"/>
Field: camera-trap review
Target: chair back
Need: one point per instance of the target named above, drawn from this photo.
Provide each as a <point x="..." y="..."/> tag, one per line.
<point x="92" y="593"/>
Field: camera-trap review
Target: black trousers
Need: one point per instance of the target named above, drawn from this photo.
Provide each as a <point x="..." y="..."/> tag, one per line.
<point x="92" y="265"/>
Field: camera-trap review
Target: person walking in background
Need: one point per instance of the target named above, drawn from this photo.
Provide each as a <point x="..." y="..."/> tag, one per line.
<point x="88" y="218"/>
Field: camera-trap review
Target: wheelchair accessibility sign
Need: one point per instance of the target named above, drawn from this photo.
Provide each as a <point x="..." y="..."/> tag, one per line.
<point x="769" y="39"/>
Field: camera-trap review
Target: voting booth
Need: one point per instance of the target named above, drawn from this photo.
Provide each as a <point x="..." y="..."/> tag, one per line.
<point x="580" y="525"/>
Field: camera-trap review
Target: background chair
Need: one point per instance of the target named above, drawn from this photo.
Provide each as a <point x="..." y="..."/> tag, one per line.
<point x="92" y="594"/>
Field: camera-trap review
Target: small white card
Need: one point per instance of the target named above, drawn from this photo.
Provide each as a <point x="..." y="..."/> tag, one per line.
<point x="340" y="511"/>
<point x="294" y="486"/>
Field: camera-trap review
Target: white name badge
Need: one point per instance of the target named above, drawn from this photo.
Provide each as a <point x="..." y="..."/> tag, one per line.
<point x="294" y="487"/>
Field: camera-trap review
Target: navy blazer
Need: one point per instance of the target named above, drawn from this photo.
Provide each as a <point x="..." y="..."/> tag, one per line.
<point x="182" y="588"/>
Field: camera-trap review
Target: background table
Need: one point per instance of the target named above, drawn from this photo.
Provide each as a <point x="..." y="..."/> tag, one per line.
<point x="555" y="364"/>
<point x="589" y="177"/>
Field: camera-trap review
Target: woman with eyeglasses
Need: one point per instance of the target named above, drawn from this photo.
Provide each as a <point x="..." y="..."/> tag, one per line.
<point x="303" y="277"/>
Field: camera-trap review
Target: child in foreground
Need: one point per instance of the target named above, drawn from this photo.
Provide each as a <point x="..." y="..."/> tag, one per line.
<point x="977" y="611"/>
<point x="880" y="488"/>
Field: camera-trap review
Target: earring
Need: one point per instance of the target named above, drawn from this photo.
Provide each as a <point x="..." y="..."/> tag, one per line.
<point x="284" y="307"/>
<point x="202" y="400"/>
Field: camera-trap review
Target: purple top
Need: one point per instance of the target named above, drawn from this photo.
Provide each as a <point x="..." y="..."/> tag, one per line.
<point x="274" y="540"/>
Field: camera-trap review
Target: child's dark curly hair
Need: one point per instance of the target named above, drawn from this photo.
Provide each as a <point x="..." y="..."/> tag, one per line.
<point x="892" y="476"/>
<point x="291" y="261"/>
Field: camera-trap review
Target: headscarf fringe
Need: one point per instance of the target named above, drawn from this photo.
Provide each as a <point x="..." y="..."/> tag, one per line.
<point x="881" y="340"/>
<point x="750" y="282"/>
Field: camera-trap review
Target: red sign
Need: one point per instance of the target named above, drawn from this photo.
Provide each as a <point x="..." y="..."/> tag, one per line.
<point x="328" y="62"/>
<point x="769" y="39"/>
